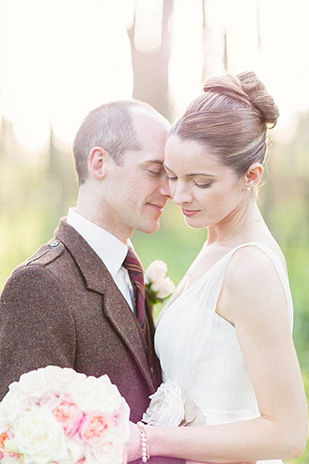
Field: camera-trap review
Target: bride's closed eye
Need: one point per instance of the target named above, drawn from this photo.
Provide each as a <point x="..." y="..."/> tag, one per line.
<point x="206" y="185"/>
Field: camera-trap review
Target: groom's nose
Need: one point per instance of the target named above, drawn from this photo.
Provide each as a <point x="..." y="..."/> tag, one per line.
<point x="164" y="187"/>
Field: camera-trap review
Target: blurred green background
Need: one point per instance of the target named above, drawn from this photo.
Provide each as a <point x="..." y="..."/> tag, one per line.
<point x="62" y="59"/>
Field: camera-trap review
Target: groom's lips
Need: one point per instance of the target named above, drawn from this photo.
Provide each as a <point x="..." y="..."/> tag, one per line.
<point x="158" y="208"/>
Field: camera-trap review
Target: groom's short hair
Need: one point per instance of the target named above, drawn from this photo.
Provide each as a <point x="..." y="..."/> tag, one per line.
<point x="110" y="126"/>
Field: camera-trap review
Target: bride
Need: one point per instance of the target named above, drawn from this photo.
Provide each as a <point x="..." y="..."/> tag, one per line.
<point x="224" y="338"/>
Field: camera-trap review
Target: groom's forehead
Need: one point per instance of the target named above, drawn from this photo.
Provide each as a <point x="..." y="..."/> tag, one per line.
<point x="149" y="121"/>
<point x="144" y="158"/>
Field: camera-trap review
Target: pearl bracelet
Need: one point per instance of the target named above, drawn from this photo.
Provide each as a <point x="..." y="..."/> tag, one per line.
<point x="144" y="442"/>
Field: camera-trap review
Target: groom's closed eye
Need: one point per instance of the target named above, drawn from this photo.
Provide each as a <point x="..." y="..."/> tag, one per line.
<point x="154" y="168"/>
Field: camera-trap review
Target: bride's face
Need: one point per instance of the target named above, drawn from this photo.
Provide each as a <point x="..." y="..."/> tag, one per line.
<point x="207" y="192"/>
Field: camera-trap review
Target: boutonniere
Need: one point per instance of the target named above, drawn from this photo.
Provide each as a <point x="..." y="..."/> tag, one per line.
<point x="158" y="286"/>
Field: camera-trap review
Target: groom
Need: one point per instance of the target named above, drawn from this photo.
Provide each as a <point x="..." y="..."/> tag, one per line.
<point x="73" y="303"/>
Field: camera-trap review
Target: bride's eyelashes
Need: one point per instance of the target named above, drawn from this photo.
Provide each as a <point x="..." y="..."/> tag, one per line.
<point x="196" y="184"/>
<point x="204" y="186"/>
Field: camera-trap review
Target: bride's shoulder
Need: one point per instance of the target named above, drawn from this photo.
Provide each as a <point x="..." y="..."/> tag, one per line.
<point x="252" y="287"/>
<point x="254" y="266"/>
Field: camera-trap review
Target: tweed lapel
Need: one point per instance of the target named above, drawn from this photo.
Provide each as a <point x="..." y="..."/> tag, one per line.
<point x="115" y="308"/>
<point x="127" y="326"/>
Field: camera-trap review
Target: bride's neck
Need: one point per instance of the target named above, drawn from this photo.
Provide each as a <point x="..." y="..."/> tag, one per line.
<point x="237" y="228"/>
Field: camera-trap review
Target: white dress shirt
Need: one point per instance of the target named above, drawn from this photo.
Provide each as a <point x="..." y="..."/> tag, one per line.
<point x="109" y="248"/>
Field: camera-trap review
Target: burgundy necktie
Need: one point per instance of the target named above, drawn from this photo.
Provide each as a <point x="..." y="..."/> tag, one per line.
<point x="134" y="267"/>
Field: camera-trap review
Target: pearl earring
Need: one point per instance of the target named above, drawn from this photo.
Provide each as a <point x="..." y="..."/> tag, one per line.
<point x="249" y="189"/>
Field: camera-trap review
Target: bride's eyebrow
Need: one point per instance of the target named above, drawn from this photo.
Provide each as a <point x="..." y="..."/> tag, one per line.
<point x="195" y="174"/>
<point x="204" y="174"/>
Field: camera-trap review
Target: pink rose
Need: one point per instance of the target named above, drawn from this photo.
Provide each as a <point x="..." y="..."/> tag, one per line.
<point x="94" y="426"/>
<point x="51" y="400"/>
<point x="69" y="416"/>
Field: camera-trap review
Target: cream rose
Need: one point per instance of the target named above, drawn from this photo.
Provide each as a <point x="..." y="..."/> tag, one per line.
<point x="110" y="450"/>
<point x="30" y="385"/>
<point x="156" y="271"/>
<point x="9" y="410"/>
<point x="166" y="408"/>
<point x="39" y="437"/>
<point x="62" y="377"/>
<point x="75" y="452"/>
<point x="163" y="288"/>
<point x="123" y="413"/>
<point x="93" y="394"/>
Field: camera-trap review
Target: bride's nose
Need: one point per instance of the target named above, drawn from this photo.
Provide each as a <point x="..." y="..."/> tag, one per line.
<point x="180" y="193"/>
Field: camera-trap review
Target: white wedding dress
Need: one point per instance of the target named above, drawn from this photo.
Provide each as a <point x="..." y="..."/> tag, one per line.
<point x="199" y="350"/>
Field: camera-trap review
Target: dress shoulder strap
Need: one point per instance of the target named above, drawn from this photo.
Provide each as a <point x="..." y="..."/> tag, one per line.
<point x="280" y="269"/>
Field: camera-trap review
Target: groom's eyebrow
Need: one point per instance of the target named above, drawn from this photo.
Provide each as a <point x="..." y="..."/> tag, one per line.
<point x="155" y="161"/>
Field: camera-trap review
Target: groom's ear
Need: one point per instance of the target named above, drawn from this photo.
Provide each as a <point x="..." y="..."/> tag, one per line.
<point x="96" y="162"/>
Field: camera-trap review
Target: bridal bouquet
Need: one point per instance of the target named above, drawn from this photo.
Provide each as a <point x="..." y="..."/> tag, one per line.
<point x="56" y="415"/>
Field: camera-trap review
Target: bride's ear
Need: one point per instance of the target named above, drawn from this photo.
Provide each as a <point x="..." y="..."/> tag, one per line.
<point x="253" y="175"/>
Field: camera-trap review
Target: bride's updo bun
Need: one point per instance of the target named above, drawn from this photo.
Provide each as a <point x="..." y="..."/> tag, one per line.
<point x="259" y="97"/>
<point x="231" y="119"/>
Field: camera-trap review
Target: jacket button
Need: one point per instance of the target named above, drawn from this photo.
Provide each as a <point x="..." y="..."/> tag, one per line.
<point x="151" y="369"/>
<point x="54" y="244"/>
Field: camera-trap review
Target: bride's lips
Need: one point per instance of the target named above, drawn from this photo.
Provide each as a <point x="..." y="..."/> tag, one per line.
<point x="190" y="212"/>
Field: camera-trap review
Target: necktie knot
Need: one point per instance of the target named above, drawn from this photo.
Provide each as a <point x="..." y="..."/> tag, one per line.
<point x="136" y="274"/>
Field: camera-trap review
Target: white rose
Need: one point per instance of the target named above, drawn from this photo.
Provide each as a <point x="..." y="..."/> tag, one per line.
<point x="62" y="376"/>
<point x="93" y="394"/>
<point x="163" y="288"/>
<point x="166" y="408"/>
<point x="31" y="384"/>
<point x="109" y="450"/>
<point x="75" y="451"/>
<point x="156" y="271"/>
<point x="39" y="437"/>
<point x="123" y="413"/>
<point x="9" y="410"/>
<point x="105" y="379"/>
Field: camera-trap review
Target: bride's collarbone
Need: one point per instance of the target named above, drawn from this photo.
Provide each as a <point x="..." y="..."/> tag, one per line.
<point x="206" y="260"/>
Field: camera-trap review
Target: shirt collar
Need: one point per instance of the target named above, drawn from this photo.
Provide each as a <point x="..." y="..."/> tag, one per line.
<point x="108" y="247"/>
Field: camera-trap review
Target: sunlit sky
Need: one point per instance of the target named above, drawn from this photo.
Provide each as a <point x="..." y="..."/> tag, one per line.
<point x="61" y="58"/>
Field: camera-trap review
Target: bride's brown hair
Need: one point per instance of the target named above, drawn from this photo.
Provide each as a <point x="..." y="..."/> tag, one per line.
<point x="231" y="119"/>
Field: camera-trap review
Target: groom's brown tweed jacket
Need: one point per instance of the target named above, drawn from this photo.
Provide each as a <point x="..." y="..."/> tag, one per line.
<point x="62" y="307"/>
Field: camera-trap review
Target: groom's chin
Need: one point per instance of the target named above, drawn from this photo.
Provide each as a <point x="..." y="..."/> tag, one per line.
<point x="150" y="228"/>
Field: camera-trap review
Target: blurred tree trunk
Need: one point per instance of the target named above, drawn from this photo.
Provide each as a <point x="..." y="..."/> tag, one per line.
<point x="150" y="70"/>
<point x="205" y="43"/>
